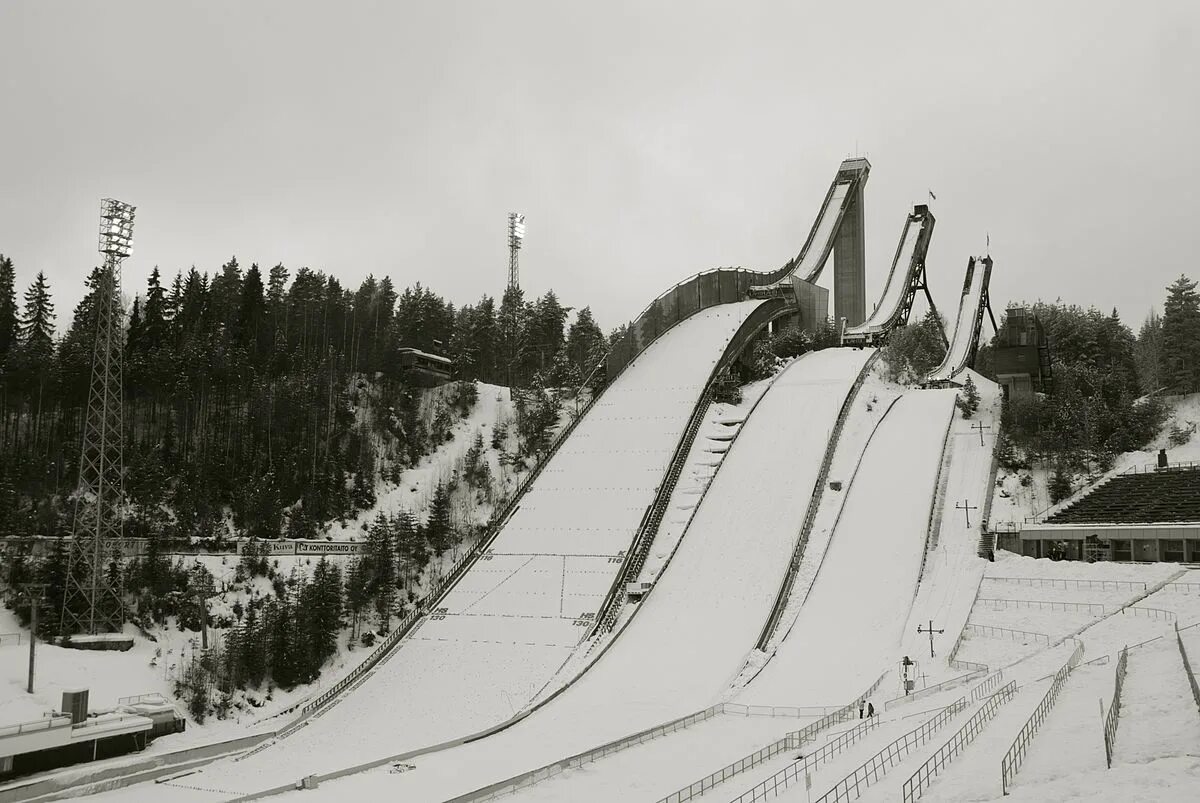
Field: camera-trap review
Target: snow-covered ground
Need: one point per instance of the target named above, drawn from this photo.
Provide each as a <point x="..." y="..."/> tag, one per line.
<point x="679" y="650"/>
<point x="518" y="614"/>
<point x="849" y="627"/>
<point x="693" y="631"/>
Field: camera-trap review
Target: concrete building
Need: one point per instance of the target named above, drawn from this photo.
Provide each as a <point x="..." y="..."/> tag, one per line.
<point x="849" y="251"/>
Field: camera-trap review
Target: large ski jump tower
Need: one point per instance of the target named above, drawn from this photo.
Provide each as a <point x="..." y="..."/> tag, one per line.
<point x="849" y="252"/>
<point x="91" y="602"/>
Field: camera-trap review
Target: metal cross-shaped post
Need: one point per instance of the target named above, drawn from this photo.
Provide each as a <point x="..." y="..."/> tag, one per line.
<point x="979" y="425"/>
<point x="930" y="631"/>
<point x="966" y="507"/>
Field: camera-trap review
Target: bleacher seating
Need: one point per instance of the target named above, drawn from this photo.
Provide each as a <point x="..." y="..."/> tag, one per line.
<point x="1164" y="495"/>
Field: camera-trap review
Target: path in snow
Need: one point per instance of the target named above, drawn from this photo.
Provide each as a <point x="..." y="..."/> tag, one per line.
<point x="1158" y="716"/>
<point x="1071" y="739"/>
<point x="849" y="628"/>
<point x="974" y="774"/>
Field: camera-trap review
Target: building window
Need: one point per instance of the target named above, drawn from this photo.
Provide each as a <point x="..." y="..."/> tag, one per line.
<point x="1172" y="551"/>
<point x="1121" y="550"/>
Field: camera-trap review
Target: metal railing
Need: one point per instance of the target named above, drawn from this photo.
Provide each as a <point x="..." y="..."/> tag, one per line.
<point x="851" y="787"/>
<point x="981" y="691"/>
<point x="550" y="770"/>
<point x="1148" y="613"/>
<point x="800" y="768"/>
<point x="814" y="504"/>
<point x="58" y="721"/>
<point x="1178" y="588"/>
<point x="1187" y="665"/>
<point x="990" y="631"/>
<point x="920" y="780"/>
<point x="1094" y="608"/>
<point x="973" y="671"/>
<point x="1016" y="754"/>
<point x="1052" y="582"/>
<point x="968" y="666"/>
<point x="1110" y="719"/>
<point x="1150" y="468"/>
<point x="8" y="639"/>
<point x="150" y="697"/>
<point x="941" y="481"/>
<point x="790" y="741"/>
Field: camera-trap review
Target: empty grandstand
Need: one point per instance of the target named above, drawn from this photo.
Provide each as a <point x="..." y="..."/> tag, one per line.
<point x="1142" y="515"/>
<point x="1164" y="495"/>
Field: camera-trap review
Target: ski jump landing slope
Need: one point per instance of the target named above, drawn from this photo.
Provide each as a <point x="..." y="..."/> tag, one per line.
<point x="850" y="626"/>
<point x="519" y="612"/>
<point x="694" y="629"/>
<point x="966" y="327"/>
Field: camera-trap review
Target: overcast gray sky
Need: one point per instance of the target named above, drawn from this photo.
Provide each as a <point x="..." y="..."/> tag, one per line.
<point x="645" y="141"/>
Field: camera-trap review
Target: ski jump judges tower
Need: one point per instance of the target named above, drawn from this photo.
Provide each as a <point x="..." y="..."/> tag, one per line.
<point x="91" y="603"/>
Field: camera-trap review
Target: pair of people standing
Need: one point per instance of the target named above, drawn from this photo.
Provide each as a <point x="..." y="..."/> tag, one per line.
<point x="867" y="706"/>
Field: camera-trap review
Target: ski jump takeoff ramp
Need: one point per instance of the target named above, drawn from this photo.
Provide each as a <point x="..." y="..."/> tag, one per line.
<point x="905" y="278"/>
<point x="971" y="306"/>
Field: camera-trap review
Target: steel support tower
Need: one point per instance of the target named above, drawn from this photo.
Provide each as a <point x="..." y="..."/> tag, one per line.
<point x="516" y="233"/>
<point x="92" y="601"/>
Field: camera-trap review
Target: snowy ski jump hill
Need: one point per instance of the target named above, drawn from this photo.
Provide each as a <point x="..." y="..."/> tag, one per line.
<point x="906" y="276"/>
<point x="971" y="306"/>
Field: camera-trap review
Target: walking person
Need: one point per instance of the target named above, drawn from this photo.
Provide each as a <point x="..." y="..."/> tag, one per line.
<point x="870" y="710"/>
<point x="861" y="703"/>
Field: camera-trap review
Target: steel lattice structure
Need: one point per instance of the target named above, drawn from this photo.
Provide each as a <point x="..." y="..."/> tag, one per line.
<point x="92" y="603"/>
<point x="516" y="233"/>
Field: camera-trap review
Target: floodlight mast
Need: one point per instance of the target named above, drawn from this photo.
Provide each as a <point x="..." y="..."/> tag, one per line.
<point x="92" y="599"/>
<point x="516" y="233"/>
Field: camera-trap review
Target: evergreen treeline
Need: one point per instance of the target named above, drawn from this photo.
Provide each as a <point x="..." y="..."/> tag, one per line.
<point x="1106" y="383"/>
<point x="239" y="392"/>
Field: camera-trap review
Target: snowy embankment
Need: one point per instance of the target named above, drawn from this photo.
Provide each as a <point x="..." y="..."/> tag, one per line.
<point x="519" y="612"/>
<point x="848" y="630"/>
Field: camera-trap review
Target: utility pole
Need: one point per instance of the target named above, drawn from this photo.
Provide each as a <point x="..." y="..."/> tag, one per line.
<point x="980" y="426"/>
<point x="35" y="592"/>
<point x="966" y="507"/>
<point x="930" y="631"/>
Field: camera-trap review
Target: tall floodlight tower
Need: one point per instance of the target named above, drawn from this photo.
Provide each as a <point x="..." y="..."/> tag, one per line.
<point x="516" y="233"/>
<point x="92" y="602"/>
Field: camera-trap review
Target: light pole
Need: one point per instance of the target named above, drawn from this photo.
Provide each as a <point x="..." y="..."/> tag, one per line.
<point x="35" y="592"/>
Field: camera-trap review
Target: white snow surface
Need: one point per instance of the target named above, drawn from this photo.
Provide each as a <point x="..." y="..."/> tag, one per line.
<point x="850" y="626"/>
<point x="897" y="282"/>
<point x="960" y="342"/>
<point x="695" y="628"/>
<point x="511" y="622"/>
